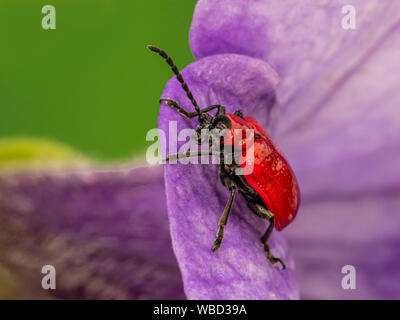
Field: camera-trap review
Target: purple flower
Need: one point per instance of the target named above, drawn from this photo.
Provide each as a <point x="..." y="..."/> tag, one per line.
<point x="339" y="127"/>
<point x="328" y="96"/>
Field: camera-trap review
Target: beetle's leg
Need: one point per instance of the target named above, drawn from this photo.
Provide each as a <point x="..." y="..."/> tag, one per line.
<point x="190" y="154"/>
<point x="190" y="115"/>
<point x="221" y="109"/>
<point x="224" y="220"/>
<point x="175" y="105"/>
<point x="262" y="212"/>
<point x="264" y="240"/>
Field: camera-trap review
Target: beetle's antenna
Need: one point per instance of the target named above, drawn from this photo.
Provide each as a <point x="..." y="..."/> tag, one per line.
<point x="175" y="70"/>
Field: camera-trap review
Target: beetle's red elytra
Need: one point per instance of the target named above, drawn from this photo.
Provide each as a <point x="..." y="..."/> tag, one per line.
<point x="272" y="177"/>
<point x="270" y="191"/>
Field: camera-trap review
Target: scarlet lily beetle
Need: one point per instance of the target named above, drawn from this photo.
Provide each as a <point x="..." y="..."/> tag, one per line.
<point x="270" y="191"/>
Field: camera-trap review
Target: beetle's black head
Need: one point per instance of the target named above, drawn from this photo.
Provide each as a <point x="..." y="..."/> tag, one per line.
<point x="211" y="127"/>
<point x="206" y="120"/>
<point x="205" y="123"/>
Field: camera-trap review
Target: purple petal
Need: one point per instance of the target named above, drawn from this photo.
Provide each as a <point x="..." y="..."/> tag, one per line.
<point x="102" y="231"/>
<point x="297" y="39"/>
<point x="351" y="145"/>
<point x="339" y="126"/>
<point x="359" y="231"/>
<point x="339" y="92"/>
<point x="196" y="198"/>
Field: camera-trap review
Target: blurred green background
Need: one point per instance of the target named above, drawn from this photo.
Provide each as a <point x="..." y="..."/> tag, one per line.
<point x="91" y="83"/>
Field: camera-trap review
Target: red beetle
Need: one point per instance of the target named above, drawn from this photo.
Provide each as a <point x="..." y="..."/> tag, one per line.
<point x="270" y="190"/>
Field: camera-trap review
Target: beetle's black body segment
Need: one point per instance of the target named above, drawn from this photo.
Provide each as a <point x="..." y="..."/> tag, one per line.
<point x="235" y="183"/>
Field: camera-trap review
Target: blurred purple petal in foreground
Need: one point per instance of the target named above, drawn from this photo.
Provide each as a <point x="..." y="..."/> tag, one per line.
<point x="102" y="231"/>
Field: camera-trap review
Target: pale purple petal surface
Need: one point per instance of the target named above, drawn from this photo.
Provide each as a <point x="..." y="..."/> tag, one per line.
<point x="339" y="127"/>
<point x="196" y="197"/>
<point x="297" y="38"/>
<point x="362" y="231"/>
<point x="102" y="231"/>
<point x="338" y="92"/>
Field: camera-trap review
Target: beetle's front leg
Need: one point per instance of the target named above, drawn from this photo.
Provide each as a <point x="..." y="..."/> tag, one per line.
<point x="190" y="154"/>
<point x="172" y="103"/>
